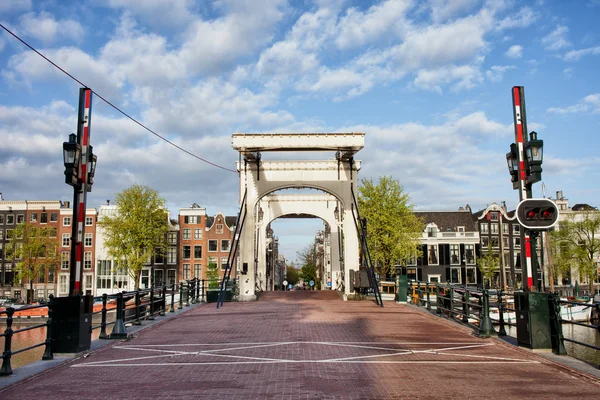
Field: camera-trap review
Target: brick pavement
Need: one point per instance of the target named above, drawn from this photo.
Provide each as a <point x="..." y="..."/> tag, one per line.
<point x="308" y="345"/>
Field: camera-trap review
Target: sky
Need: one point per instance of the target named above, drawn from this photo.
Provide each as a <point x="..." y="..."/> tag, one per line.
<point x="429" y="82"/>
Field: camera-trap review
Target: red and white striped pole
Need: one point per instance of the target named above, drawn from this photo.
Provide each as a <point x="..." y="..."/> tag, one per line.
<point x="520" y="121"/>
<point x="80" y="192"/>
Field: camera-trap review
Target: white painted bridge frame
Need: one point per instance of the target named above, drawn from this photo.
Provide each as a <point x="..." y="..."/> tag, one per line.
<point x="337" y="177"/>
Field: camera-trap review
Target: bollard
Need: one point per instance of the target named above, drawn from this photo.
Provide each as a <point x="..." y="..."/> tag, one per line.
<point x="559" y="348"/>
<point x="151" y="316"/>
<point x="119" y="331"/>
<point x="172" y="309"/>
<point x="428" y="297"/>
<point x="48" y="350"/>
<point x="465" y="310"/>
<point x="501" y="330"/>
<point x="180" y="296"/>
<point x="486" y="329"/>
<point x="103" y="334"/>
<point x="6" y="368"/>
<point x="137" y="308"/>
<point x="438" y="309"/>
<point x="164" y="300"/>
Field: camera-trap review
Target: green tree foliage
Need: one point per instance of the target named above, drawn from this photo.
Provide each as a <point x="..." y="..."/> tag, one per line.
<point x="488" y="265"/>
<point x="576" y="243"/>
<point x="292" y="275"/>
<point x="393" y="230"/>
<point x="308" y="259"/>
<point x="212" y="275"/>
<point x="33" y="249"/>
<point x="138" y="230"/>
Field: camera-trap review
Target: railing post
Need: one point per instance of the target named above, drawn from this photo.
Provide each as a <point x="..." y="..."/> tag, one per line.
<point x="187" y="293"/>
<point x="194" y="284"/>
<point x="48" y="348"/>
<point x="164" y="301"/>
<point x="180" y="296"/>
<point x="137" y="308"/>
<point x="172" y="309"/>
<point x="486" y="329"/>
<point x="151" y="316"/>
<point x="419" y="294"/>
<point x="202" y="299"/>
<point x="438" y="302"/>
<point x="198" y="290"/>
<point x="560" y="345"/>
<point x="501" y="329"/>
<point x="465" y="299"/>
<point x="428" y="297"/>
<point x="103" y="334"/>
<point x="451" y="295"/>
<point x="6" y="368"/>
<point x="119" y="331"/>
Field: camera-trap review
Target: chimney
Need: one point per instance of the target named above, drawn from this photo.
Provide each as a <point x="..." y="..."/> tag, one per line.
<point x="468" y="208"/>
<point x="108" y="202"/>
<point x="1" y="198"/>
<point x="66" y="204"/>
<point x="559" y="195"/>
<point x="504" y="205"/>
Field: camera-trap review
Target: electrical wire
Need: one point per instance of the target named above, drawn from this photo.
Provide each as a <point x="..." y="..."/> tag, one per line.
<point x="112" y="105"/>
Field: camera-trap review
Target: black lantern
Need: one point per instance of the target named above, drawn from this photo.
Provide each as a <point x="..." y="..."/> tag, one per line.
<point x="72" y="158"/>
<point x="512" y="161"/>
<point x="336" y="213"/>
<point x="93" y="158"/>
<point x="534" y="154"/>
<point x="260" y="214"/>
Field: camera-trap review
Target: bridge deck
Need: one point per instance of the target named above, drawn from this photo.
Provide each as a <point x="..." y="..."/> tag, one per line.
<point x="308" y="345"/>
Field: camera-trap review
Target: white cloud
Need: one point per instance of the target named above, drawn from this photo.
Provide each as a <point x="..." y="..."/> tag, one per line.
<point x="357" y="28"/>
<point x="496" y="72"/>
<point x="590" y="103"/>
<point x="442" y="10"/>
<point x="575" y="55"/>
<point x="514" y="51"/>
<point x="46" y="28"/>
<point x="557" y="39"/>
<point x="172" y="13"/>
<point x="462" y="77"/>
<point x="10" y="6"/>
<point x="525" y="17"/>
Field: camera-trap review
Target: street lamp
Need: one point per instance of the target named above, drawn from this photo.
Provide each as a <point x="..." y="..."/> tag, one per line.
<point x="512" y="160"/>
<point x="534" y="153"/>
<point x="72" y="159"/>
<point x="93" y="160"/>
<point x="336" y="213"/>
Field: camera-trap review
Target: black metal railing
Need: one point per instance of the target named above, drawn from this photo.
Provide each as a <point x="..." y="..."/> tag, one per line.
<point x="8" y="334"/>
<point x="584" y="307"/>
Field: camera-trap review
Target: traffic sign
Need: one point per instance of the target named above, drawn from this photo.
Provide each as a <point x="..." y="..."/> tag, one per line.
<point x="329" y="284"/>
<point x="311" y="283"/>
<point x="284" y="283"/>
<point x="537" y="213"/>
<point x="290" y="286"/>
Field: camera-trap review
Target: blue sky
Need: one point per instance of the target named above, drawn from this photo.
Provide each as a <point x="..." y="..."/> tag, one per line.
<point x="429" y="82"/>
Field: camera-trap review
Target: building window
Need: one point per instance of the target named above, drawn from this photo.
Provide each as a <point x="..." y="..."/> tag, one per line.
<point x="412" y="260"/>
<point x="432" y="254"/>
<point x="198" y="234"/>
<point x="432" y="231"/>
<point x="1" y="219"/>
<point x="485" y="242"/>
<point x="87" y="260"/>
<point x="495" y="229"/>
<point x="43" y="218"/>
<point x="89" y="221"/>
<point x="187" y="252"/>
<point x="103" y="274"/>
<point x="63" y="284"/>
<point x="186" y="234"/>
<point x="505" y="242"/>
<point x="50" y="275"/>
<point x="171" y="276"/>
<point x="1" y="235"/>
<point x="64" y="260"/>
<point x="10" y="219"/>
<point x="42" y="274"/>
<point x="159" y="258"/>
<point x="494" y="216"/>
<point x="516" y="242"/>
<point x="87" y="281"/>
<point x="219" y="229"/>
<point x="517" y="258"/>
<point x="172" y="255"/>
<point x="33" y="217"/>
<point x="212" y="245"/>
<point x="225" y="245"/>
<point x="191" y="219"/>
<point x="197" y="252"/>
<point x="455" y="275"/>
<point x="223" y="263"/>
<point x="88" y="240"/>
<point x="186" y="271"/>
<point x="505" y="228"/>
<point x="198" y="271"/>
<point x="454" y="254"/>
<point x="66" y="221"/>
<point x="471" y="276"/>
<point x="53" y="232"/>
<point x="484" y="227"/>
<point x="470" y="253"/>
<point x="66" y="240"/>
<point x="20" y="218"/>
<point x="495" y="241"/>
<point x="212" y="262"/>
<point x="53" y="217"/>
<point x="460" y="228"/>
<point x="172" y="237"/>
<point x="516" y="229"/>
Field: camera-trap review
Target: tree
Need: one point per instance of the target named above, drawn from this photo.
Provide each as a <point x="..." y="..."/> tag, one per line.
<point x="488" y="265"/>
<point x="393" y="230"/>
<point x="578" y="240"/>
<point x="138" y="230"/>
<point x="212" y="275"/>
<point x="33" y="249"/>
<point x="292" y="275"/>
